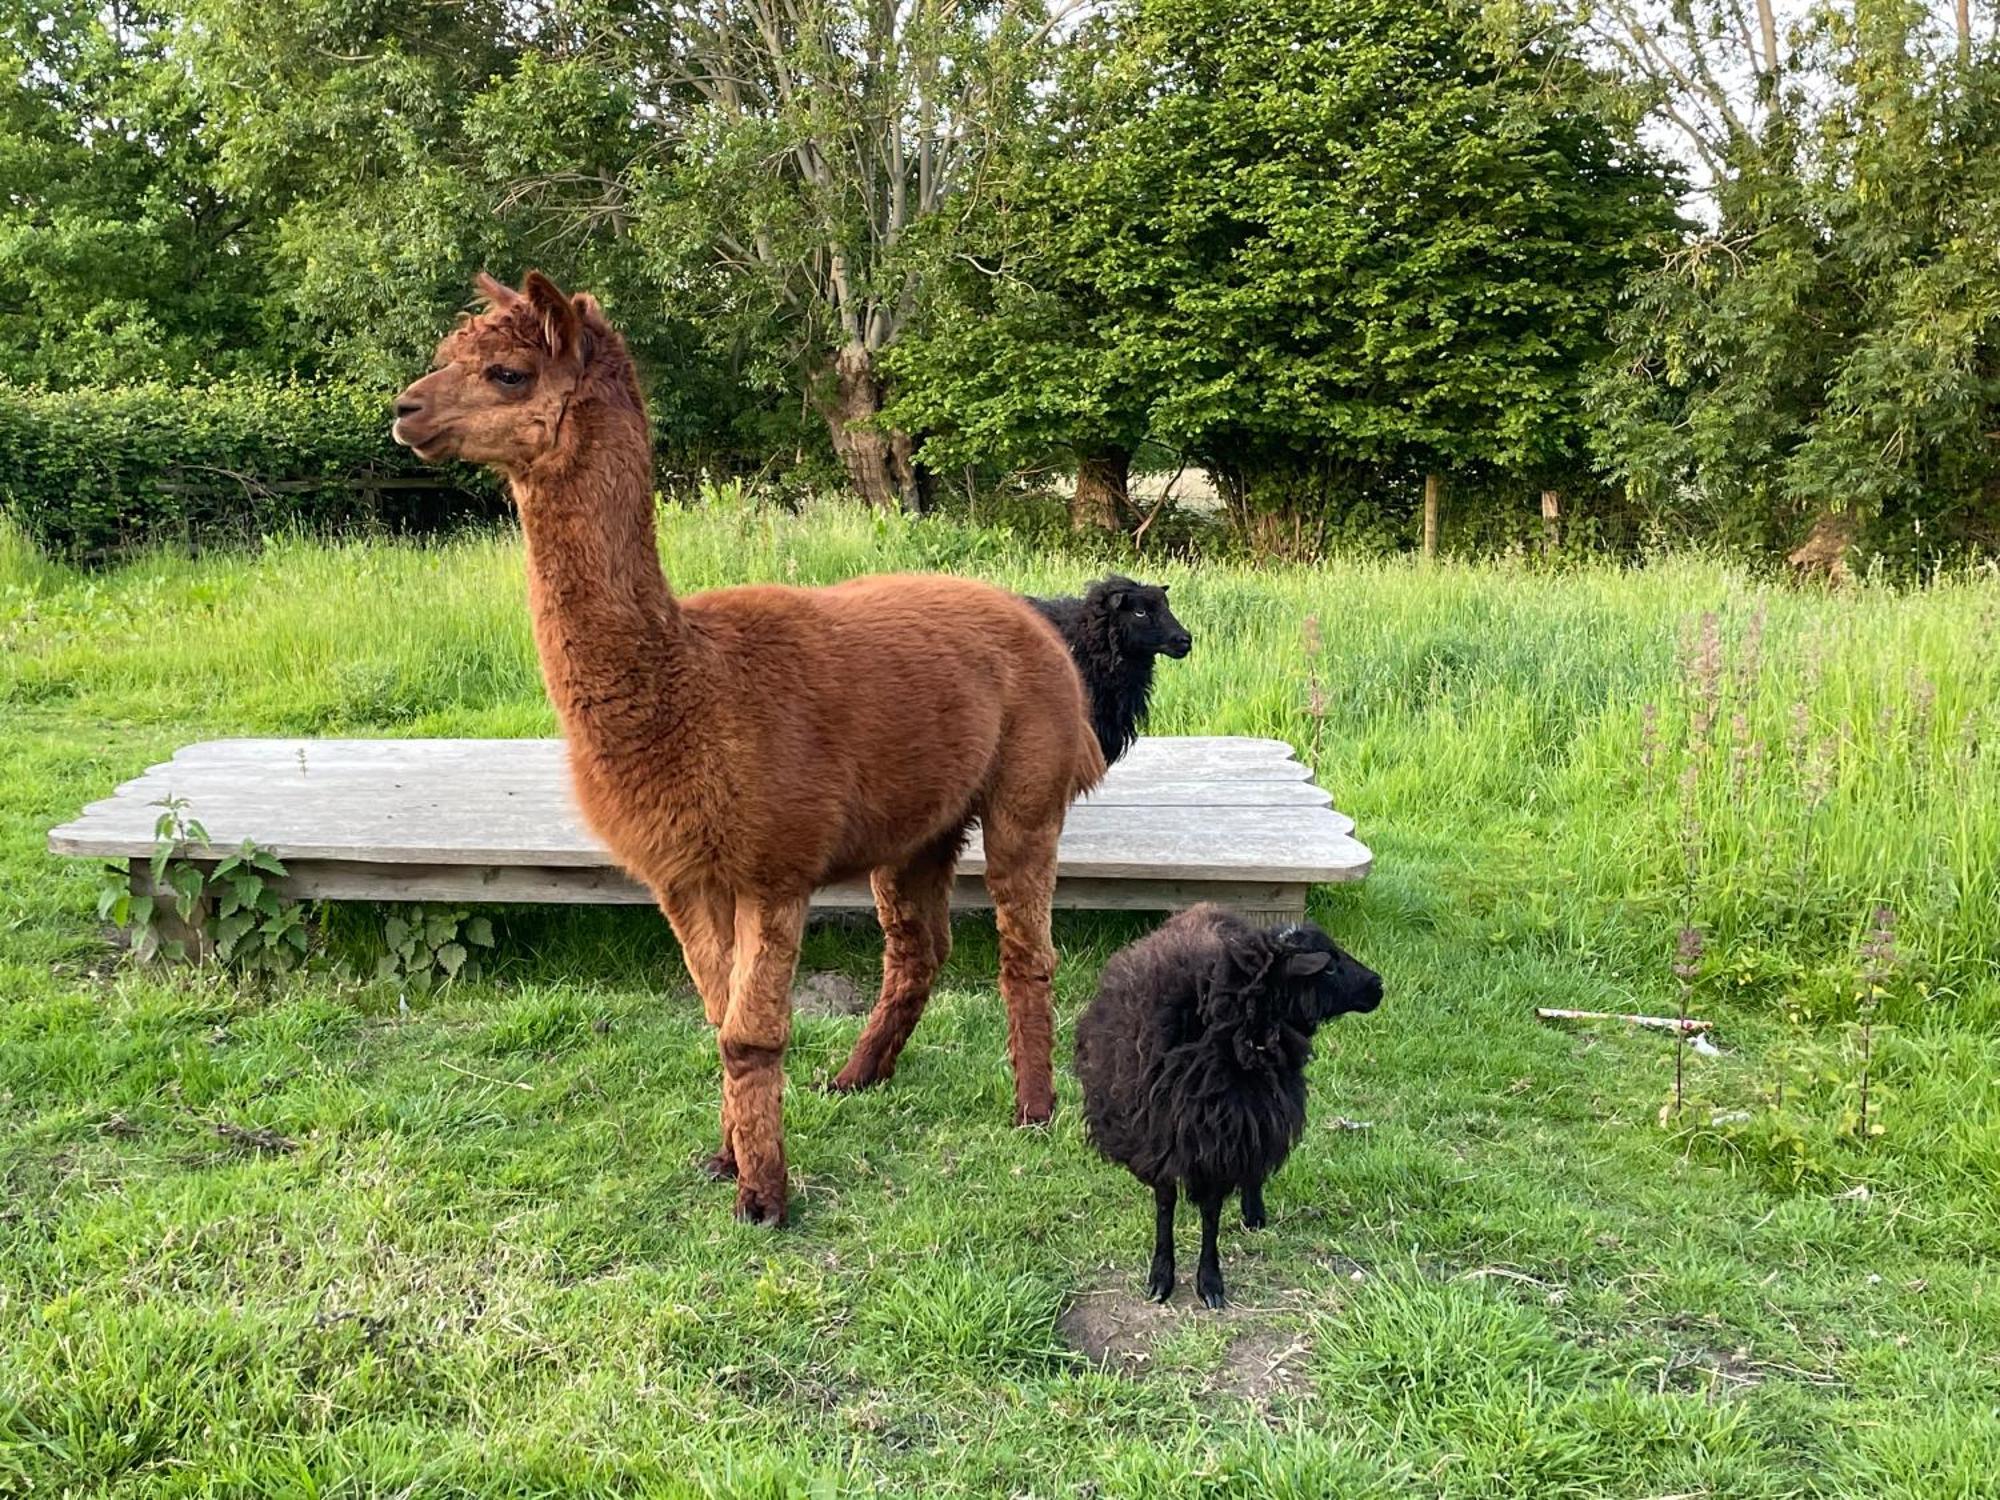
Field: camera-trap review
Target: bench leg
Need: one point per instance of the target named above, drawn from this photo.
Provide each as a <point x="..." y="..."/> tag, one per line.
<point x="1289" y="907"/>
<point x="167" y="925"/>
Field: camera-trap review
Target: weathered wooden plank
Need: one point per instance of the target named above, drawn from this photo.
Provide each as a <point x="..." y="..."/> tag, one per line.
<point x="551" y="784"/>
<point x="1181" y="757"/>
<point x="1230" y="843"/>
<point x="1199" y="809"/>
<point x="347" y="880"/>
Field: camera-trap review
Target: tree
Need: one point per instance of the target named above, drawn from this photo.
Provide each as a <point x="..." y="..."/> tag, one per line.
<point x="813" y="139"/>
<point x="1023" y="353"/>
<point x="1313" y="235"/>
<point x="1406" y="229"/>
<point x="123" y="256"/>
<point x="1825" y="362"/>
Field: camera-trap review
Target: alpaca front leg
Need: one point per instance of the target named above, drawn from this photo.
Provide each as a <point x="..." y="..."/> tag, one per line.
<point x="1160" y="1280"/>
<point x="753" y="1040"/>
<point x="703" y="917"/>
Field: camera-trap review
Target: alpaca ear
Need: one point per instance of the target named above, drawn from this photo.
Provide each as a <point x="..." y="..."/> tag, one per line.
<point x="561" y="328"/>
<point x="495" y="293"/>
<point x="1305" y="965"/>
<point x="591" y="320"/>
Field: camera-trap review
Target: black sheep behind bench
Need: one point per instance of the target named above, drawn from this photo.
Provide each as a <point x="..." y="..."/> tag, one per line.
<point x="1193" y="1057"/>
<point x="1113" y="633"/>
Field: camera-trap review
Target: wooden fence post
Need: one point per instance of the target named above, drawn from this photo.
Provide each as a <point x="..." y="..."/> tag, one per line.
<point x="1430" y="517"/>
<point x="1551" y="521"/>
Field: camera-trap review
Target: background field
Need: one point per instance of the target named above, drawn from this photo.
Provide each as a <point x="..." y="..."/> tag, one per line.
<point x="487" y="1267"/>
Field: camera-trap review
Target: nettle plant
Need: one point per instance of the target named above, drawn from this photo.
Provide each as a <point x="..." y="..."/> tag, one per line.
<point x="232" y="912"/>
<point x="431" y="945"/>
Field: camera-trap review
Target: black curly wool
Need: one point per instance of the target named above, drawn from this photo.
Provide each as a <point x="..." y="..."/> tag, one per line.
<point x="1192" y="1059"/>
<point x="1114" y="632"/>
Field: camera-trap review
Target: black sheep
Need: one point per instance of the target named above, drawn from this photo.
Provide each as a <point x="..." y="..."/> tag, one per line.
<point x="1193" y="1058"/>
<point x="1113" y="632"/>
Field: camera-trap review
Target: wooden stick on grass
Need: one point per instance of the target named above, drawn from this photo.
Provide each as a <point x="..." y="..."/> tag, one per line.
<point x="1688" y="1025"/>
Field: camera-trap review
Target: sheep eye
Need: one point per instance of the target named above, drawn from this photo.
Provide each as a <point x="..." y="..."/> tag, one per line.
<point x="502" y="375"/>
<point x="1138" y="614"/>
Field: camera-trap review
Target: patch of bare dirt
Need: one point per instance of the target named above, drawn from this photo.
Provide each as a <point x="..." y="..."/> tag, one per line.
<point x="1115" y="1327"/>
<point x="1262" y="1363"/>
<point x="828" y="994"/>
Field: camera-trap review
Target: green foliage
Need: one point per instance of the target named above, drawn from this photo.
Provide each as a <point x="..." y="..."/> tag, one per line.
<point x="1833" y="345"/>
<point x="1304" y="234"/>
<point x="124" y="255"/>
<point x="491" y="1268"/>
<point x="94" y="471"/>
<point x="428" y="945"/>
<point x="230" y="910"/>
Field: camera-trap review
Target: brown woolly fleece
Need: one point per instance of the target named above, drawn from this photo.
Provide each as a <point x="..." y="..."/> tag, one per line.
<point x="739" y="748"/>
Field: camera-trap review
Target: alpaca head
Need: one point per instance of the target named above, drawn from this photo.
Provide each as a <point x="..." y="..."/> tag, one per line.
<point x="506" y="379"/>
<point x="1320" y="978"/>
<point x="1141" y="624"/>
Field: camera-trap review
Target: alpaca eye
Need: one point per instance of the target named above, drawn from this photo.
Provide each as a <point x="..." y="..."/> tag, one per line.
<point x="501" y="375"/>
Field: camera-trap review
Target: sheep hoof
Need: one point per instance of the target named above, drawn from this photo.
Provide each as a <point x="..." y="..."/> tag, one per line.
<point x="1211" y="1291"/>
<point x="720" y="1167"/>
<point x="1033" y="1114"/>
<point x="1254" y="1220"/>
<point x="851" y="1080"/>
<point x="1160" y="1287"/>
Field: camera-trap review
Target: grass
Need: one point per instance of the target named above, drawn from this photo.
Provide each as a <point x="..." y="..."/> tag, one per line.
<point x="469" y="1255"/>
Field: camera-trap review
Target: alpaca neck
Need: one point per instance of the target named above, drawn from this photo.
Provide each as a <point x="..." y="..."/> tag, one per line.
<point x="614" y="647"/>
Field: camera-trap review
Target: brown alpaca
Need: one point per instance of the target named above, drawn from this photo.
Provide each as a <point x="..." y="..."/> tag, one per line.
<point x="739" y="748"/>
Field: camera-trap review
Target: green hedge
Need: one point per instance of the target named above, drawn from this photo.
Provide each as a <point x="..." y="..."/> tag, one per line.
<point x="92" y="472"/>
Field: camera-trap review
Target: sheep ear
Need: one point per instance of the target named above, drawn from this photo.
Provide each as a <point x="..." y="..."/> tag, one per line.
<point x="1305" y="965"/>
<point x="1116" y="599"/>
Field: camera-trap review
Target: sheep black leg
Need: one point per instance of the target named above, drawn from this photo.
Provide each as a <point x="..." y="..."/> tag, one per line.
<point x="1253" y="1205"/>
<point x="1208" y="1271"/>
<point x="1160" y="1283"/>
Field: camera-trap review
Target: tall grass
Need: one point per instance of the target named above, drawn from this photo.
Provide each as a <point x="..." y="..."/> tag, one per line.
<point x="489" y="1266"/>
<point x="1619" y="753"/>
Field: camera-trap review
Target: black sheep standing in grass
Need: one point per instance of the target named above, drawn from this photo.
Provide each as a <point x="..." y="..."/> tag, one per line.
<point x="1114" y="631"/>
<point x="1193" y="1059"/>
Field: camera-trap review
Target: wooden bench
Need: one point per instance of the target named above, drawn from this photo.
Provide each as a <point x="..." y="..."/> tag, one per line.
<point x="1177" y="821"/>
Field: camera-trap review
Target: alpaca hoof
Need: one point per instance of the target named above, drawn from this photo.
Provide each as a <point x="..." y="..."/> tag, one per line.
<point x="1210" y="1289"/>
<point x="851" y="1079"/>
<point x="765" y="1210"/>
<point x="1160" y="1287"/>
<point x="720" y="1167"/>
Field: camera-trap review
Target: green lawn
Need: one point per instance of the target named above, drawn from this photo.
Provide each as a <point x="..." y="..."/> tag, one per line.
<point x="476" y="1259"/>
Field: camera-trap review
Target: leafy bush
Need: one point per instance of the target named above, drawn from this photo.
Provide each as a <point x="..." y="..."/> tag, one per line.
<point x="93" y="471"/>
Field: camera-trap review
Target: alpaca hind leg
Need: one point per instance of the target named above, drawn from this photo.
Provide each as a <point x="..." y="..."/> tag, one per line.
<point x="914" y="904"/>
<point x="1021" y="876"/>
<point x="703" y="917"/>
<point x="1160" y="1280"/>
<point x="753" y="1039"/>
<point x="1208" y="1270"/>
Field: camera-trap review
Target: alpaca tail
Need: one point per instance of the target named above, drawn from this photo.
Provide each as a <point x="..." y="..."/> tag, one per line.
<point x="1090" y="764"/>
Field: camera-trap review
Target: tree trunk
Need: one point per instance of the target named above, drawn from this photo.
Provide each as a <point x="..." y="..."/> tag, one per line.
<point x="880" y="465"/>
<point x="1551" y="521"/>
<point x="1962" y="13"/>
<point x="1431" y="486"/>
<point x="1103" y="498"/>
